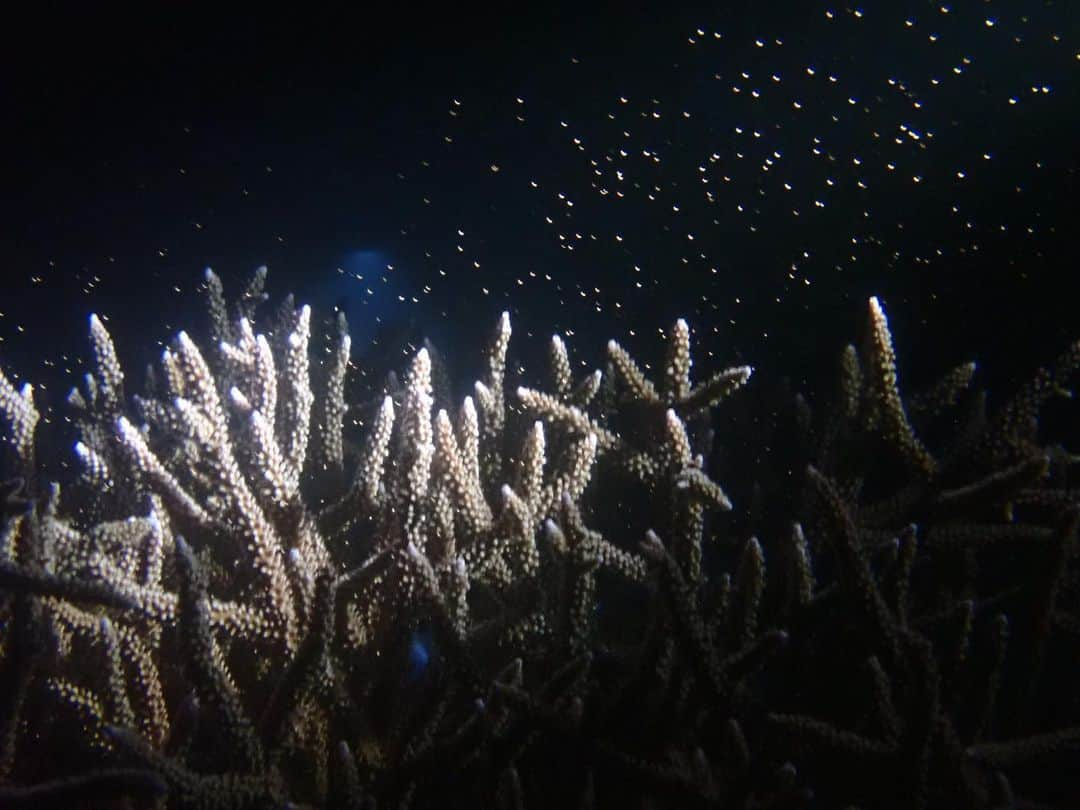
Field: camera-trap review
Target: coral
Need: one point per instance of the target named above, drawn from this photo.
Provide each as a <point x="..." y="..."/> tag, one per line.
<point x="260" y="591"/>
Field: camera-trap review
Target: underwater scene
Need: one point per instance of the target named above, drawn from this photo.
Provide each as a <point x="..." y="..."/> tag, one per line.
<point x="579" y="406"/>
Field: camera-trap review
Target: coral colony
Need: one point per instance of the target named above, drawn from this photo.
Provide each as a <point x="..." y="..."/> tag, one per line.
<point x="265" y="587"/>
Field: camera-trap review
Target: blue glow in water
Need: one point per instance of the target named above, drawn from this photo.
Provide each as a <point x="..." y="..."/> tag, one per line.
<point x="368" y="288"/>
<point x="421" y="653"/>
<point x="389" y="313"/>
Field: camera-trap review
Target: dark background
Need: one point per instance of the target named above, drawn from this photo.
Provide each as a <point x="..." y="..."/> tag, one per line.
<point x="140" y="149"/>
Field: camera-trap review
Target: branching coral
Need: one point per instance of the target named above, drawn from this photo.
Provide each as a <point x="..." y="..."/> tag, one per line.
<point x="259" y="593"/>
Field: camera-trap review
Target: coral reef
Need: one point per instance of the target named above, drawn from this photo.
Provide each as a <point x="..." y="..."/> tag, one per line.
<point x="269" y="587"/>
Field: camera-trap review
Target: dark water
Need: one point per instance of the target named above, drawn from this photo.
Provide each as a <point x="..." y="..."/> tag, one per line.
<point x="758" y="170"/>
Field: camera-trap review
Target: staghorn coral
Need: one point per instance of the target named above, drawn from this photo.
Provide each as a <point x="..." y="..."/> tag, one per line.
<point x="258" y="593"/>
